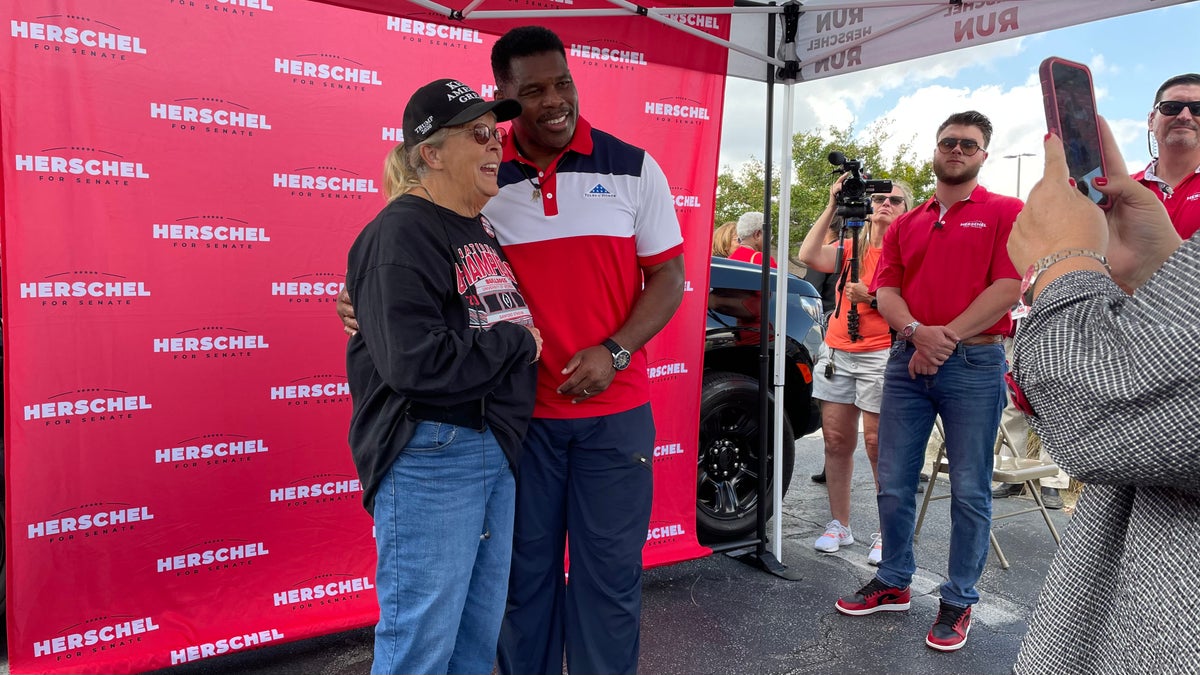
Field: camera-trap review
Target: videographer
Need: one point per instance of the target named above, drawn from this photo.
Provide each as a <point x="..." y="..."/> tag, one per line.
<point x="945" y="283"/>
<point x="848" y="375"/>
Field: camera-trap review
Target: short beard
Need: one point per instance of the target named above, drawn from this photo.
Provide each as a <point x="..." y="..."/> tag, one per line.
<point x="1182" y="143"/>
<point x="966" y="177"/>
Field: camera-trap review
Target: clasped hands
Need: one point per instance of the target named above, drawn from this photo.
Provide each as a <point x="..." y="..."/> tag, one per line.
<point x="589" y="373"/>
<point x="934" y="345"/>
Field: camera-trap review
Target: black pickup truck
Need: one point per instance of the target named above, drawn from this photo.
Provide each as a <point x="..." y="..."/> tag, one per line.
<point x="727" y="474"/>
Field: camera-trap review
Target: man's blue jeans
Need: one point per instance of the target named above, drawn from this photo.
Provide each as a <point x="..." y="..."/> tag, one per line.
<point x="968" y="393"/>
<point x="442" y="585"/>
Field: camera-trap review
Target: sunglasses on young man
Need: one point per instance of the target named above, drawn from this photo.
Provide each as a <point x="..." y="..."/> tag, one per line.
<point x="483" y="133"/>
<point x="896" y="200"/>
<point x="1173" y="108"/>
<point x="969" y="146"/>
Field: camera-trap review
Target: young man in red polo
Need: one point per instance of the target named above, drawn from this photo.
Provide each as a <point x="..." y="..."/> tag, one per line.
<point x="945" y="283"/>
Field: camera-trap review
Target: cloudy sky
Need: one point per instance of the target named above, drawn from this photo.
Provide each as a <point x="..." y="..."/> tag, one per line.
<point x="1129" y="57"/>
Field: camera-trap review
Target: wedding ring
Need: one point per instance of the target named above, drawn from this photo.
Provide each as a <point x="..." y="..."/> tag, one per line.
<point x="586" y="392"/>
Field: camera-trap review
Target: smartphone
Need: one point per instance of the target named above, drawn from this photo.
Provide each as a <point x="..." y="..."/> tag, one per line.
<point x="1071" y="115"/>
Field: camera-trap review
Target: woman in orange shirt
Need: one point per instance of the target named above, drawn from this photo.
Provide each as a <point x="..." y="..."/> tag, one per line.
<point x="848" y="375"/>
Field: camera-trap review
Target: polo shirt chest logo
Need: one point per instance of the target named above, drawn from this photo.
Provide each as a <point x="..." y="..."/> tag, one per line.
<point x="599" y="191"/>
<point x="974" y="224"/>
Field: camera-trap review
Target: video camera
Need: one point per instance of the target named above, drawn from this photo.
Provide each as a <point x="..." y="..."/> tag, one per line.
<point x="853" y="205"/>
<point x="853" y="202"/>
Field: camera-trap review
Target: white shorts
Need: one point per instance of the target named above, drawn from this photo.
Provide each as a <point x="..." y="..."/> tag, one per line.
<point x="857" y="377"/>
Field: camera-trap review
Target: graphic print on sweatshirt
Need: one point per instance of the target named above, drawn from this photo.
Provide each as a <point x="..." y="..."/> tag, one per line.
<point x="487" y="283"/>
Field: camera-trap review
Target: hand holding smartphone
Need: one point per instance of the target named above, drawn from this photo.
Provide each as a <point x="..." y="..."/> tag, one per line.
<point x="1071" y="115"/>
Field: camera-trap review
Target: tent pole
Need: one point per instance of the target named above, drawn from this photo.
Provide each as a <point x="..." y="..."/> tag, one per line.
<point x="785" y="210"/>
<point x="664" y="17"/>
<point x="760" y="557"/>
<point x="764" y="354"/>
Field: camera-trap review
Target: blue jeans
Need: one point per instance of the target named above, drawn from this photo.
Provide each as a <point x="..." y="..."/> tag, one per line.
<point x="441" y="583"/>
<point x="968" y="393"/>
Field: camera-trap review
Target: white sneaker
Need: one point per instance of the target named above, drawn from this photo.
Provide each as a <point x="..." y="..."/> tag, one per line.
<point x="876" y="555"/>
<point x="836" y="535"/>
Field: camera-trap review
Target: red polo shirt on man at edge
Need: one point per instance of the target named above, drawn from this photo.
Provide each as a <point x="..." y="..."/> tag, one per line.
<point x="1182" y="202"/>
<point x="942" y="264"/>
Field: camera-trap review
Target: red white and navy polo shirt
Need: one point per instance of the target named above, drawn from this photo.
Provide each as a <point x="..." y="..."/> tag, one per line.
<point x="578" y="235"/>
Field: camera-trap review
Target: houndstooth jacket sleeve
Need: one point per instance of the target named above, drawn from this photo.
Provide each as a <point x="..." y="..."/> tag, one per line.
<point x="1114" y="380"/>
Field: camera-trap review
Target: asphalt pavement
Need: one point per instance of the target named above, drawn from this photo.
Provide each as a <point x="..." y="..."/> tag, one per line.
<point x="718" y="615"/>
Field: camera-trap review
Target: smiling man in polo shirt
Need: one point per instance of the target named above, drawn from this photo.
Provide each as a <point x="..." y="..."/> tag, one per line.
<point x="1175" y="174"/>
<point x="585" y="219"/>
<point x="945" y="283"/>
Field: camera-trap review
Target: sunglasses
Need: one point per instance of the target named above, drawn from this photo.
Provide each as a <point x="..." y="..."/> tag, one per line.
<point x="896" y="200"/>
<point x="483" y="133"/>
<point x="969" y="147"/>
<point x="1173" y="108"/>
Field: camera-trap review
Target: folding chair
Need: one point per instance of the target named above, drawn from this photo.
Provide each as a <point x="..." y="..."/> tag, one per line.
<point x="1008" y="469"/>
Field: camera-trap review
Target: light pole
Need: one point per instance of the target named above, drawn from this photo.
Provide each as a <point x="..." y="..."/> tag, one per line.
<point x="1018" y="157"/>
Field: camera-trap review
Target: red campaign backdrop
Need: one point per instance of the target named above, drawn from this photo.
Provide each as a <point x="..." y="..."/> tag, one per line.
<point x="182" y="180"/>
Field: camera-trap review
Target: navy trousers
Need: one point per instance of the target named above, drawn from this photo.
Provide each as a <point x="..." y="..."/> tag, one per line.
<point x="587" y="484"/>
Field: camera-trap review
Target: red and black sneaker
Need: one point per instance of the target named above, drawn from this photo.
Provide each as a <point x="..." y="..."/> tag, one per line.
<point x="876" y="596"/>
<point x="949" y="632"/>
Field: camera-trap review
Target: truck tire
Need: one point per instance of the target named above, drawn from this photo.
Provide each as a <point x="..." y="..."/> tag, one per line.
<point x="727" y="466"/>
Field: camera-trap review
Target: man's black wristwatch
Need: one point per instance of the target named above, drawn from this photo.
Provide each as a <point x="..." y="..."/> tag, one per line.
<point x="621" y="356"/>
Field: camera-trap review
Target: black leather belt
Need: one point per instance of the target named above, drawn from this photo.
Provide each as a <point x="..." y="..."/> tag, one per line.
<point x="469" y="414"/>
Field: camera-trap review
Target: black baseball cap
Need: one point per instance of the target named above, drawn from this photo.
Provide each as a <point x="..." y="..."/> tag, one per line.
<point x="447" y="103"/>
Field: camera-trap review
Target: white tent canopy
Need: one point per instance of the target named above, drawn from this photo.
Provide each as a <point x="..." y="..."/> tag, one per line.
<point x="834" y="37"/>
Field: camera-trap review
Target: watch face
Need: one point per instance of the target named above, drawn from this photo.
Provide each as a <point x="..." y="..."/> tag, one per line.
<point x="621" y="360"/>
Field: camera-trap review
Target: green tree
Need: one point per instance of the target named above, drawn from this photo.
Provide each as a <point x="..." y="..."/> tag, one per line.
<point x="741" y="190"/>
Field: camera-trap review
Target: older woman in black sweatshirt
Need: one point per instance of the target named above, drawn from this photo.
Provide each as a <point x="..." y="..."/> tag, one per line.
<point x="442" y="378"/>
